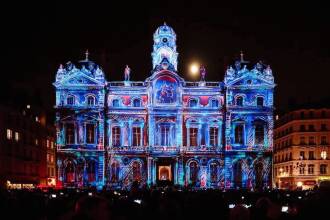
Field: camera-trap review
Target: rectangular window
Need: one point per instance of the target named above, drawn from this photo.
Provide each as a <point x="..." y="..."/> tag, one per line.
<point x="90" y="134"/>
<point x="47" y="143"/>
<point x="52" y="145"/>
<point x="290" y="172"/>
<point x="213" y="136"/>
<point x="259" y="134"/>
<point x="193" y="136"/>
<point x="302" y="140"/>
<point x="136" y="136"/>
<point x="52" y="158"/>
<point x="69" y="134"/>
<point x="302" y="155"/>
<point x="323" y="127"/>
<point x="302" y="128"/>
<point x="16" y="136"/>
<point x="323" y="169"/>
<point x="9" y="134"/>
<point x="323" y="140"/>
<point x="311" y="140"/>
<point x="116" y="136"/>
<point x="301" y="170"/>
<point x="311" y="155"/>
<point x="48" y="156"/>
<point x="311" y="169"/>
<point x="239" y="134"/>
<point x="36" y="142"/>
<point x="311" y="128"/>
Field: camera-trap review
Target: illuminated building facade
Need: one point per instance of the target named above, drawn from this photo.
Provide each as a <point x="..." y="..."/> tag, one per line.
<point x="26" y="149"/>
<point x="164" y="129"/>
<point x="301" y="148"/>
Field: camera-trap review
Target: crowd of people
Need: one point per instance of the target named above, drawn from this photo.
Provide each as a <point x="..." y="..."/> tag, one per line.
<point x="163" y="203"/>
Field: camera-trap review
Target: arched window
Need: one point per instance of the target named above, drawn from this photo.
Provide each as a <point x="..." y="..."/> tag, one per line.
<point x="136" y="103"/>
<point x="239" y="101"/>
<point x="136" y="171"/>
<point x="91" y="170"/>
<point x="115" y="172"/>
<point x="193" y="168"/>
<point x="239" y="134"/>
<point x="260" y="101"/>
<point x="116" y="136"/>
<point x="70" y="100"/>
<point x="90" y="134"/>
<point x="259" y="133"/>
<point x="69" y="172"/>
<point x="90" y="100"/>
<point x="214" y="172"/>
<point x="115" y="103"/>
<point x="193" y="103"/>
<point x="214" y="103"/>
<point x="69" y="133"/>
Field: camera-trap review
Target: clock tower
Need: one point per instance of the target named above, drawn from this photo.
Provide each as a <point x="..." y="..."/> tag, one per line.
<point x="164" y="46"/>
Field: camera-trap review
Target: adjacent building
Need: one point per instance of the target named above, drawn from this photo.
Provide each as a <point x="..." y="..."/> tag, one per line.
<point x="301" y="148"/>
<point x="164" y="129"/>
<point x="27" y="150"/>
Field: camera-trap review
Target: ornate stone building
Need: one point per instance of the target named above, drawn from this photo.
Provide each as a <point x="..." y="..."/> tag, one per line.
<point x="164" y="129"/>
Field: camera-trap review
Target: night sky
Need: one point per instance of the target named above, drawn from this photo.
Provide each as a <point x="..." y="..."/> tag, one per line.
<point x="293" y="39"/>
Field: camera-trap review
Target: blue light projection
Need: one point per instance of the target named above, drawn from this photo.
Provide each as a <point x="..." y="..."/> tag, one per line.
<point x="164" y="129"/>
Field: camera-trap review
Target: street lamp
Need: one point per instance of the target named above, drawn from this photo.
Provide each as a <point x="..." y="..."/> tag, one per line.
<point x="194" y="70"/>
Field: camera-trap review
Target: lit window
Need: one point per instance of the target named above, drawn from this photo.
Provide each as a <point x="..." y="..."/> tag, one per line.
<point x="193" y="168"/>
<point x="36" y="142"/>
<point x="37" y="119"/>
<point x="324" y="155"/>
<point x="193" y="136"/>
<point x="90" y="101"/>
<point x="52" y="158"/>
<point x="136" y="136"/>
<point x="69" y="134"/>
<point x="165" y="135"/>
<point x="47" y="143"/>
<point x="239" y="134"/>
<point x="214" y="136"/>
<point x="48" y="157"/>
<point x="52" y="145"/>
<point x="16" y="136"/>
<point x="116" y="136"/>
<point x="90" y="133"/>
<point x="9" y="134"/>
<point x="259" y="133"/>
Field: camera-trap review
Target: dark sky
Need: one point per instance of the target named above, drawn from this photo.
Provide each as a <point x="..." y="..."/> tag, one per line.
<point x="293" y="39"/>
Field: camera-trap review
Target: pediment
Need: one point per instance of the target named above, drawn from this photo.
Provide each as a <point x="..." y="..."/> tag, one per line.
<point x="79" y="79"/>
<point x="251" y="80"/>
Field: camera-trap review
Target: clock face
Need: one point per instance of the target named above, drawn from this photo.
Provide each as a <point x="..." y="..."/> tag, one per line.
<point x="164" y="40"/>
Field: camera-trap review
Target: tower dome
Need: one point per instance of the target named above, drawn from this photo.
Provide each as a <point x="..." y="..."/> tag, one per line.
<point x="164" y="31"/>
<point x="164" y="46"/>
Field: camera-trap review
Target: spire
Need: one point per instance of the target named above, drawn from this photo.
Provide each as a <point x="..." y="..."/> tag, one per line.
<point x="86" y="55"/>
